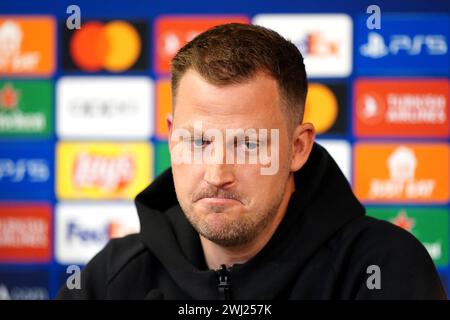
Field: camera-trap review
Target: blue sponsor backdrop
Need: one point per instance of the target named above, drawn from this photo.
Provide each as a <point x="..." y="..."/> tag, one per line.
<point x="26" y="170"/>
<point x="405" y="45"/>
<point x="417" y="34"/>
<point x="24" y="283"/>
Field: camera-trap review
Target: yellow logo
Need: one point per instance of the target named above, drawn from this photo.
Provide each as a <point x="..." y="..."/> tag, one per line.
<point x="102" y="170"/>
<point x="321" y="107"/>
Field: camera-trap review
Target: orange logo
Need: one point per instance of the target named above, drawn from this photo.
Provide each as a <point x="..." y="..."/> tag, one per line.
<point x="402" y="173"/>
<point x="402" y="108"/>
<point x="174" y="32"/>
<point x="321" y="107"/>
<point x="163" y="107"/>
<point x="27" y="45"/>
<point x="114" y="46"/>
<point x="319" y="46"/>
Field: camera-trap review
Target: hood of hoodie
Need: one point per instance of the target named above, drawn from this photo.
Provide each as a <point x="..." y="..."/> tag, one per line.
<point x="322" y="203"/>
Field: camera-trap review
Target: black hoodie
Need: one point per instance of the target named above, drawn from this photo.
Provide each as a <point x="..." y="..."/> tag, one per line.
<point x="323" y="249"/>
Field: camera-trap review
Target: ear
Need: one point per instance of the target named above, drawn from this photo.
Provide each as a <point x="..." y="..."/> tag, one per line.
<point x="302" y="143"/>
<point x="169" y="121"/>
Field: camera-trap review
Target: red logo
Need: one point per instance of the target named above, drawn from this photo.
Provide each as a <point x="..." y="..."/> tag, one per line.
<point x="403" y="221"/>
<point x="25" y="233"/>
<point x="8" y="97"/>
<point x="172" y="33"/>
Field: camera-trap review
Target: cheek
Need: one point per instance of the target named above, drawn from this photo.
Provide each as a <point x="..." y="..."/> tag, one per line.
<point x="186" y="178"/>
<point x="260" y="187"/>
<point x="252" y="182"/>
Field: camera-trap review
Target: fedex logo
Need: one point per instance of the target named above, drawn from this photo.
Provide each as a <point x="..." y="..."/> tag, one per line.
<point x="100" y="234"/>
<point x="317" y="45"/>
<point x="83" y="229"/>
<point x="325" y="40"/>
<point x="83" y="234"/>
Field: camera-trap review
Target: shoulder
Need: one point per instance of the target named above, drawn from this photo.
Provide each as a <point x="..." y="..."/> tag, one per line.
<point x="118" y="254"/>
<point x="116" y="257"/>
<point x="384" y="238"/>
<point x="405" y="268"/>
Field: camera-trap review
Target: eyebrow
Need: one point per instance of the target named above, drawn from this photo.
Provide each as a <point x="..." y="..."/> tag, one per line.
<point x="267" y="138"/>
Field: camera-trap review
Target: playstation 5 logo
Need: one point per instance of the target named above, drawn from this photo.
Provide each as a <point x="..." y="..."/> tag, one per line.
<point x="375" y="47"/>
<point x="432" y="44"/>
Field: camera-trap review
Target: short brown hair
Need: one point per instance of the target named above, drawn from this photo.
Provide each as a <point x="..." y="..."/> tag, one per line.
<point x="234" y="52"/>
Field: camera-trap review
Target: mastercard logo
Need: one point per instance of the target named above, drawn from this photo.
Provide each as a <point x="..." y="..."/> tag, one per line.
<point x="114" y="46"/>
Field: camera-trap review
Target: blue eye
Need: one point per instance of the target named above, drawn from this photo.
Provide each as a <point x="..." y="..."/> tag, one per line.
<point x="250" y="145"/>
<point x="199" y="142"/>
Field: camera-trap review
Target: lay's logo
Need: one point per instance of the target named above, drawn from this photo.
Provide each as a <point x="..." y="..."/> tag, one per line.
<point x="402" y="173"/>
<point x="106" y="173"/>
<point x="103" y="170"/>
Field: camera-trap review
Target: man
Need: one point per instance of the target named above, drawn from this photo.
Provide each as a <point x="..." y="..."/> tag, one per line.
<point x="285" y="225"/>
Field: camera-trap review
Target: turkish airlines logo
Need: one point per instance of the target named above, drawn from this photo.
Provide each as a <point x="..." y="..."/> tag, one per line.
<point x="402" y="107"/>
<point x="371" y="108"/>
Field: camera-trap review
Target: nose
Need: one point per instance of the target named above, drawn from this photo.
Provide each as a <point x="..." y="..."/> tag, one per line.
<point x="219" y="175"/>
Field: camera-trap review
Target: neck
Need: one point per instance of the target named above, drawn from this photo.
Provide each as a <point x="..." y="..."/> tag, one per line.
<point x="216" y="255"/>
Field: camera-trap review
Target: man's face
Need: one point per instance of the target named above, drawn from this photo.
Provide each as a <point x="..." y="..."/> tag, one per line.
<point x="229" y="203"/>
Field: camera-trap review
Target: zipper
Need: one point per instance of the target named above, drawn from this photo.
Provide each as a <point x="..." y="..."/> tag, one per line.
<point x="224" y="282"/>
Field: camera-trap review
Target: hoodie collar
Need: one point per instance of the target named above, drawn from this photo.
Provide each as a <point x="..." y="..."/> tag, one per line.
<point x="322" y="203"/>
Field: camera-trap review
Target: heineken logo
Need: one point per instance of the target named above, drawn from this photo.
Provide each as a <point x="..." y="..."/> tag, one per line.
<point x="403" y="221"/>
<point x="8" y="97"/>
<point x="429" y="225"/>
<point x="25" y="107"/>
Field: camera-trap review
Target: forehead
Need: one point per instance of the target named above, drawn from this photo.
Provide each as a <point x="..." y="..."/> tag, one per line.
<point x="253" y="103"/>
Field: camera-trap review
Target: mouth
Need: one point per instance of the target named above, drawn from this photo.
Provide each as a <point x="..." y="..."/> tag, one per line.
<point x="219" y="201"/>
